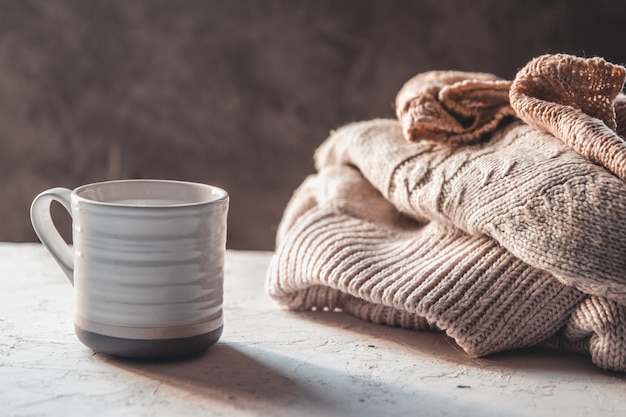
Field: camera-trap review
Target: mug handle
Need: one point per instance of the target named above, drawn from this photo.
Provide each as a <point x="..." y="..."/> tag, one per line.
<point x="46" y="230"/>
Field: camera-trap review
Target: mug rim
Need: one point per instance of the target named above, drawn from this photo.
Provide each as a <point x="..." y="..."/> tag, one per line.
<point x="218" y="194"/>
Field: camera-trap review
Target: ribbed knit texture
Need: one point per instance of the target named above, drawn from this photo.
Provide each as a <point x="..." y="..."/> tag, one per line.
<point x="452" y="106"/>
<point x="538" y="198"/>
<point x="574" y="101"/>
<point x="502" y="232"/>
<point x="336" y="256"/>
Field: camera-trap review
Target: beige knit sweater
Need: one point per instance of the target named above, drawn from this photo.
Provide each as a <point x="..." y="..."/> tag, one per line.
<point x="492" y="210"/>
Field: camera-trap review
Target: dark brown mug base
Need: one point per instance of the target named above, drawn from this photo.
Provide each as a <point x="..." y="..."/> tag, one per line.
<point x="148" y="349"/>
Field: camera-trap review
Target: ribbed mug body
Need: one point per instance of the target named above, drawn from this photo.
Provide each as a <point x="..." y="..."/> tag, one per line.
<point x="148" y="266"/>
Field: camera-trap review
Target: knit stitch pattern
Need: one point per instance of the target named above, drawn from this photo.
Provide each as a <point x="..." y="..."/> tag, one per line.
<point x="572" y="98"/>
<point x="483" y="212"/>
<point x="544" y="202"/>
<point x="338" y="256"/>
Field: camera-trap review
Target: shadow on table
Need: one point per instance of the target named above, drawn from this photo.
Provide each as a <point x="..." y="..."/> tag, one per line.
<point x="253" y="378"/>
<point x="439" y="346"/>
<point x="223" y="372"/>
<point x="237" y="379"/>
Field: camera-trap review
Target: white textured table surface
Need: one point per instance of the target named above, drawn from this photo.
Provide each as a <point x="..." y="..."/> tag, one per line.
<point x="271" y="362"/>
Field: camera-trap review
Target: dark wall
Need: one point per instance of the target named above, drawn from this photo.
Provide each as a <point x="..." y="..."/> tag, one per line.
<point x="239" y="93"/>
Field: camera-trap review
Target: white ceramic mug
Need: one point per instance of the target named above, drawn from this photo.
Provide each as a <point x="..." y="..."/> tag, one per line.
<point x="147" y="263"/>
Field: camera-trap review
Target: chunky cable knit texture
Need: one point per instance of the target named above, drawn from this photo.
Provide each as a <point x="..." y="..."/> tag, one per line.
<point x="544" y="202"/>
<point x="497" y="218"/>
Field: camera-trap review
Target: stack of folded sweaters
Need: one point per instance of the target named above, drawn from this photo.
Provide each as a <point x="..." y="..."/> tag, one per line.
<point x="492" y="210"/>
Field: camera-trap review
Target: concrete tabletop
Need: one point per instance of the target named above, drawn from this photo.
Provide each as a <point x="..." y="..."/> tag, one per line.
<point x="272" y="362"/>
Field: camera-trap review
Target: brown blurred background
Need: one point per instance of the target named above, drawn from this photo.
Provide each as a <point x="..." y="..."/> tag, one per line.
<point x="239" y="93"/>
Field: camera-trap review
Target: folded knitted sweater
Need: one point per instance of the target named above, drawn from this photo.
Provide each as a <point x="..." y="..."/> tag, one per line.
<point x="492" y="210"/>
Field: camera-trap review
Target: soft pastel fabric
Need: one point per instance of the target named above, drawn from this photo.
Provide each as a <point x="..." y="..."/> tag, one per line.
<point x="538" y="198"/>
<point x="492" y="210"/>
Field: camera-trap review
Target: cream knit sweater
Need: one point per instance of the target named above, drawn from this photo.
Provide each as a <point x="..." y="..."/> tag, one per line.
<point x="492" y="210"/>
